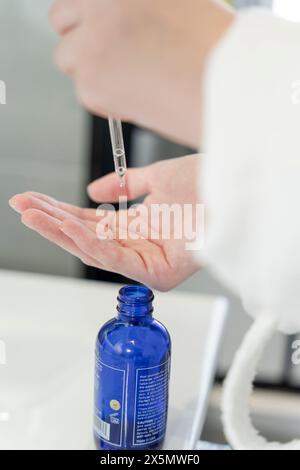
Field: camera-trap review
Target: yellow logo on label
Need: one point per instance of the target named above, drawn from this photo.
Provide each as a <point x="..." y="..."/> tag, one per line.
<point x="115" y="405"/>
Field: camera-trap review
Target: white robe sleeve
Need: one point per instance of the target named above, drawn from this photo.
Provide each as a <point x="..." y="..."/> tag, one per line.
<point x="251" y="187"/>
<point x="251" y="179"/>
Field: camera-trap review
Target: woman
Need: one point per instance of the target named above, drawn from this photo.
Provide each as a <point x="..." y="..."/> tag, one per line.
<point x="202" y="75"/>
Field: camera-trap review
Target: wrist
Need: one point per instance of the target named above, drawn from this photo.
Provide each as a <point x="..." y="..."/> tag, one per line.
<point x="194" y="34"/>
<point x="216" y="20"/>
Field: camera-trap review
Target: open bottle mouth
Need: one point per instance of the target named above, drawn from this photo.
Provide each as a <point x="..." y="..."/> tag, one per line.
<point x="135" y="295"/>
<point x="135" y="300"/>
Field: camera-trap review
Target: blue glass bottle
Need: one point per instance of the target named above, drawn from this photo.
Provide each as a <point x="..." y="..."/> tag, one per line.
<point x="133" y="354"/>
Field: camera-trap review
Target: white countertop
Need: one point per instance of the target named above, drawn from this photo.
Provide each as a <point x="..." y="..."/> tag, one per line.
<point x="48" y="327"/>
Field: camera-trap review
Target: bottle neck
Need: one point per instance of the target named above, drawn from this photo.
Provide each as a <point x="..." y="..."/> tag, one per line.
<point x="135" y="303"/>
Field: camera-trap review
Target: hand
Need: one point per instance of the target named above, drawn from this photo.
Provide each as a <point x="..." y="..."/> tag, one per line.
<point x="159" y="263"/>
<point x="140" y="60"/>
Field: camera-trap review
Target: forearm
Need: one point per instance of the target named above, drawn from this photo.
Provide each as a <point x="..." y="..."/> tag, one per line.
<point x="193" y="32"/>
<point x="208" y="24"/>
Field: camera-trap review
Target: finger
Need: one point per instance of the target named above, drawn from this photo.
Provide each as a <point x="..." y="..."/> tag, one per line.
<point x="65" y="15"/>
<point x="84" y="214"/>
<point x="81" y="213"/>
<point x="109" y="253"/>
<point x="48" y="227"/>
<point x="86" y="97"/>
<point x="107" y="189"/>
<point x="26" y="201"/>
<point x="67" y="52"/>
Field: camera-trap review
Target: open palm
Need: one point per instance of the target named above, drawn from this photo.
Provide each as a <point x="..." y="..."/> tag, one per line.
<point x="157" y="262"/>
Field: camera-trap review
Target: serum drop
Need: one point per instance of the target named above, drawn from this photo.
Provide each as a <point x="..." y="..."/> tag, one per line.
<point x="133" y="353"/>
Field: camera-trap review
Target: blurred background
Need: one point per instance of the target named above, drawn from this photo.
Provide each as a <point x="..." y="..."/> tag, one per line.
<point x="49" y="143"/>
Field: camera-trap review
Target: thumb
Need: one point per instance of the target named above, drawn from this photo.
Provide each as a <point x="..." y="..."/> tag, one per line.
<point x="107" y="188"/>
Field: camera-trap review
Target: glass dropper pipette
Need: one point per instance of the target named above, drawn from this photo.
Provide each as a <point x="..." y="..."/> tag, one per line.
<point x="117" y="141"/>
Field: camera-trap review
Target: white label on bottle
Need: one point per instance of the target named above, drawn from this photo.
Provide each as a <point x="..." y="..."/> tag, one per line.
<point x="151" y="404"/>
